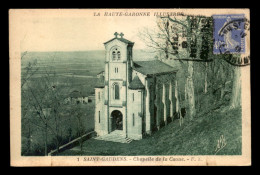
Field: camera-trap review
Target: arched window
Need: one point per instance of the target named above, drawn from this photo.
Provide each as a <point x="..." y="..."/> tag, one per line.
<point x="116" y="54"/>
<point x="133" y="119"/>
<point x="98" y="116"/>
<point x="113" y="55"/>
<point x="116" y="91"/>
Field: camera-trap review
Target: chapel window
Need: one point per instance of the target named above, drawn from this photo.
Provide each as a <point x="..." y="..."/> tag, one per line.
<point x="116" y="54"/>
<point x="98" y="116"/>
<point x="133" y="119"/>
<point x="116" y="91"/>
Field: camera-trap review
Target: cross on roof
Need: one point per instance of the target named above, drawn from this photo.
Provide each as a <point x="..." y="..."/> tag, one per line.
<point x="116" y="34"/>
<point x="121" y="34"/>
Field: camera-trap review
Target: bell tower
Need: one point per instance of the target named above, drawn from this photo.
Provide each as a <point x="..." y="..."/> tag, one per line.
<point x="118" y="71"/>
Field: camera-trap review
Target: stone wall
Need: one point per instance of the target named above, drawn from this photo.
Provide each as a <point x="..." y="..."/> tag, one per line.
<point x="100" y="112"/>
<point x="135" y="114"/>
<point x="162" y="100"/>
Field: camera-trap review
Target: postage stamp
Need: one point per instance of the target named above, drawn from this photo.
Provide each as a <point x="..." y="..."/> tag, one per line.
<point x="143" y="87"/>
<point x="229" y="33"/>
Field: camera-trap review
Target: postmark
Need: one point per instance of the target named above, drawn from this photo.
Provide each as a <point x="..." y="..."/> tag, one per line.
<point x="230" y="33"/>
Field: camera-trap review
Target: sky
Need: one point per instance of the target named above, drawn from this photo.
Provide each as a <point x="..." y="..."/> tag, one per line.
<point x="59" y="32"/>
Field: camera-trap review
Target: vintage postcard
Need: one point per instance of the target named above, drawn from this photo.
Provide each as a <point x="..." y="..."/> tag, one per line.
<point x="130" y="87"/>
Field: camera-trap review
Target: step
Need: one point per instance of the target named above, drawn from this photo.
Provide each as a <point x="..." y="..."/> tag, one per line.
<point x="115" y="136"/>
<point x="112" y="139"/>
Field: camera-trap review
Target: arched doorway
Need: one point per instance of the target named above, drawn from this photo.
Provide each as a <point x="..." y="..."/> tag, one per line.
<point x="117" y="120"/>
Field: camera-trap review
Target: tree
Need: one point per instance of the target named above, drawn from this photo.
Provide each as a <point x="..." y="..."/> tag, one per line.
<point x="76" y="110"/>
<point x="28" y="69"/>
<point x="206" y="78"/>
<point x="195" y="47"/>
<point x="43" y="96"/>
<point x="49" y="104"/>
<point x="236" y="91"/>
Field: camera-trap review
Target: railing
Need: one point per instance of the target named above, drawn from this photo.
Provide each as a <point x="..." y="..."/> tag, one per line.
<point x="73" y="143"/>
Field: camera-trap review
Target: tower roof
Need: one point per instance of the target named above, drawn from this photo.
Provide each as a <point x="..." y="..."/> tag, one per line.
<point x="120" y="39"/>
<point x="136" y="83"/>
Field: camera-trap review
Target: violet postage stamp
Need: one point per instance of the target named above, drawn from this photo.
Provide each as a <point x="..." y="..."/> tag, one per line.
<point x="130" y="87"/>
<point x="229" y="33"/>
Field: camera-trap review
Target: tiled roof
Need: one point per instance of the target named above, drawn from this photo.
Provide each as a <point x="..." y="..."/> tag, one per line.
<point x="136" y="83"/>
<point x="100" y="83"/>
<point x="121" y="39"/>
<point x="101" y="72"/>
<point x="152" y="67"/>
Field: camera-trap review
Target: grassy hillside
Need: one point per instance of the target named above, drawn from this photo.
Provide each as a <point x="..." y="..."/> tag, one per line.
<point x="197" y="137"/>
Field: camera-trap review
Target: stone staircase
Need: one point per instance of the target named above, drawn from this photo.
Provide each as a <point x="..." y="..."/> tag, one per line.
<point x="115" y="136"/>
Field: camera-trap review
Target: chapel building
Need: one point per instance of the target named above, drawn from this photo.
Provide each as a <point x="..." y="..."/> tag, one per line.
<point x="133" y="97"/>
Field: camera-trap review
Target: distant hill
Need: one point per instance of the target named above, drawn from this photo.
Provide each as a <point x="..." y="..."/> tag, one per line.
<point x="77" y="56"/>
<point x="77" y="62"/>
<point x="77" y="67"/>
<point x="70" y="57"/>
